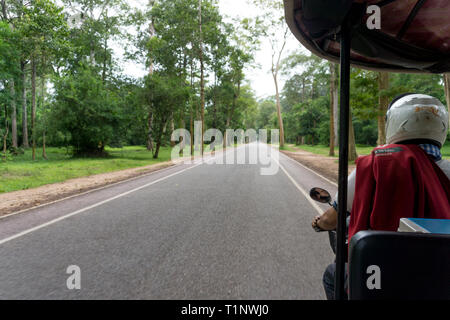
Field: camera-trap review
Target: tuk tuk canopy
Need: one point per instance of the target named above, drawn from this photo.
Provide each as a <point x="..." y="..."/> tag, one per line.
<point x="414" y="34"/>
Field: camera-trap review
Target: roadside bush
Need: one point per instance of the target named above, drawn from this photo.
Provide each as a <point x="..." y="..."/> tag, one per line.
<point x="16" y="151"/>
<point x="85" y="112"/>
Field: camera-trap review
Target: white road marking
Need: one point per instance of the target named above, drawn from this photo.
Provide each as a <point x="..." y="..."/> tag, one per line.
<point x="319" y="175"/>
<point x="196" y="164"/>
<point x="314" y="204"/>
<point x="18" y="235"/>
<point x="87" y="192"/>
<point x="173" y="165"/>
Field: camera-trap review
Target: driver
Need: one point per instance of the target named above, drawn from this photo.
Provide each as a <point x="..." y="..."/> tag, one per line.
<point x="406" y="178"/>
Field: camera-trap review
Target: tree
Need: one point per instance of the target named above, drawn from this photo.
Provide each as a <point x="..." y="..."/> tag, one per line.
<point x="144" y="21"/>
<point x="334" y="97"/>
<point x="311" y="114"/>
<point x="85" y="111"/>
<point x="166" y="93"/>
<point x="309" y="80"/>
<point x="266" y="110"/>
<point x="94" y="23"/>
<point x="202" y="72"/>
<point x="8" y="73"/>
<point x="190" y="40"/>
<point x="447" y="90"/>
<point x="352" y="154"/>
<point x="383" y="103"/>
<point x="5" y="133"/>
<point x="42" y="25"/>
<point x="12" y="38"/>
<point x="238" y="60"/>
<point x="272" y="24"/>
<point x="275" y="71"/>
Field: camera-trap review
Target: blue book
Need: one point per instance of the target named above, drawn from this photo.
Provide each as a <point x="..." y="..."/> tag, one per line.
<point x="424" y="225"/>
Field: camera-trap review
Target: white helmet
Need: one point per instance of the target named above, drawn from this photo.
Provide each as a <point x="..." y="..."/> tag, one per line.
<point x="416" y="116"/>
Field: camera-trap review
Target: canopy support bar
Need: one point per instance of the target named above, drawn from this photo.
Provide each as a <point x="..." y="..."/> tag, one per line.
<point x="343" y="160"/>
<point x="412" y="15"/>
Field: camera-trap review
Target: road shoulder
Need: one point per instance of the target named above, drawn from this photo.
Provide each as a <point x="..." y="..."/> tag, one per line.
<point x="17" y="201"/>
<point x="326" y="166"/>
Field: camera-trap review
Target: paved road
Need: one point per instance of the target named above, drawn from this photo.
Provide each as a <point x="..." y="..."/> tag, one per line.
<point x="192" y="231"/>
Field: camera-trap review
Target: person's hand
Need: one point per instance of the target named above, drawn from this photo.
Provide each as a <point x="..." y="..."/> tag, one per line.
<point x="325" y="222"/>
<point x="315" y="224"/>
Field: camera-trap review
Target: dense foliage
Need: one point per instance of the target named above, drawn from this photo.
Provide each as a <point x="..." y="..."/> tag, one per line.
<point x="61" y="83"/>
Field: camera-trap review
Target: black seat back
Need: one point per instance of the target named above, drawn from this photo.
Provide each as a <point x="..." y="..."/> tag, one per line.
<point x="404" y="265"/>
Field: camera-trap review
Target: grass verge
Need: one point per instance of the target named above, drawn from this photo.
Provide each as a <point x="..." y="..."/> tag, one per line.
<point x="23" y="173"/>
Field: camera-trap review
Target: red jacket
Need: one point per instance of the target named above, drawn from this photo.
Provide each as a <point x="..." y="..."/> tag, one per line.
<point x="397" y="181"/>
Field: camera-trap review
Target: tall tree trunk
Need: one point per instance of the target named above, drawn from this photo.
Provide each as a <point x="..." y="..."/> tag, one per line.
<point x="336" y="107"/>
<point x="4" y="11"/>
<point x="105" y="59"/>
<point x="202" y="76"/>
<point x="33" y="106"/>
<point x="150" y="72"/>
<point x="236" y="96"/>
<point x="303" y="89"/>
<point x="91" y="44"/>
<point x="280" y="117"/>
<point x="447" y="90"/>
<point x="352" y="154"/>
<point x="5" y="136"/>
<point x="44" y="120"/>
<point x="172" y="129"/>
<point x="191" y="107"/>
<point x="13" y="115"/>
<point x="275" y="69"/>
<point x="183" y="138"/>
<point x="159" y="138"/>
<point x="214" y="100"/>
<point x="383" y="103"/>
<point x="191" y="129"/>
<point x="92" y="55"/>
<point x="150" y="131"/>
<point x="333" y="99"/>
<point x="25" y="142"/>
<point x="158" y="146"/>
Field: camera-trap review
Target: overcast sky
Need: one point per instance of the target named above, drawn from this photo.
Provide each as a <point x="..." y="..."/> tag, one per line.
<point x="260" y="77"/>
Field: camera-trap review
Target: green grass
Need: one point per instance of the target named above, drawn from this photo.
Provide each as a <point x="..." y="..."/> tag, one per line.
<point x="361" y="149"/>
<point x="24" y="173"/>
<point x="446" y="151"/>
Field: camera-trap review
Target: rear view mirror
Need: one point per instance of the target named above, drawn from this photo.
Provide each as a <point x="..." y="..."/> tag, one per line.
<point x="320" y="195"/>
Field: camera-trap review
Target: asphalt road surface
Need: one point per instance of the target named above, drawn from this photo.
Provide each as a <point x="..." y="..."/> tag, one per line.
<point x="192" y="231"/>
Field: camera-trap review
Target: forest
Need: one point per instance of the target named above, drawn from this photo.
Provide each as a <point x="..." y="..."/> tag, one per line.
<point x="62" y="86"/>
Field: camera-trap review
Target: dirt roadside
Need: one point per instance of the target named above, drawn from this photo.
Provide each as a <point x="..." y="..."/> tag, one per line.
<point x="326" y="166"/>
<point x="16" y="201"/>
